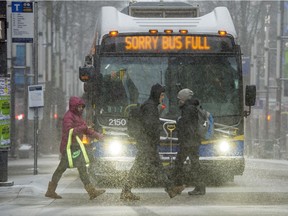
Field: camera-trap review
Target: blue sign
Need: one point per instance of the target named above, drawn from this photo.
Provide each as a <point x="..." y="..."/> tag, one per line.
<point x="22" y="22"/>
<point x="22" y="7"/>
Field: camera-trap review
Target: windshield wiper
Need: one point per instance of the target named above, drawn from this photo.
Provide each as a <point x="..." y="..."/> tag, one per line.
<point x="226" y="129"/>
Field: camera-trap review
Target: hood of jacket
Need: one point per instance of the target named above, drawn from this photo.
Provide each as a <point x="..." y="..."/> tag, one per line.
<point x="74" y="102"/>
<point x="155" y="92"/>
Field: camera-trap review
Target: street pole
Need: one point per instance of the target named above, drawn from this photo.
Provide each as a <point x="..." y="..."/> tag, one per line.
<point x="255" y="81"/>
<point x="3" y="76"/>
<point x="35" y="70"/>
<point x="279" y="75"/>
<point x="266" y="69"/>
<point x="13" y="87"/>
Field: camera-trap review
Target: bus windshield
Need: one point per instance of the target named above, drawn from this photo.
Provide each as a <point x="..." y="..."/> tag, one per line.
<point x="214" y="79"/>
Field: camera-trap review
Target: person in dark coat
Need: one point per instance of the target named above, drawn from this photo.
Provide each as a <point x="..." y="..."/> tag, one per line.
<point x="73" y="119"/>
<point x="147" y="165"/>
<point x="189" y="141"/>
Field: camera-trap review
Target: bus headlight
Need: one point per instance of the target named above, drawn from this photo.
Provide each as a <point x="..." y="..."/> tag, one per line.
<point x="224" y="146"/>
<point x="115" y="148"/>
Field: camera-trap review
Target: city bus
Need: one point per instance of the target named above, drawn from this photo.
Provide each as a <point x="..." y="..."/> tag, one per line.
<point x="171" y="44"/>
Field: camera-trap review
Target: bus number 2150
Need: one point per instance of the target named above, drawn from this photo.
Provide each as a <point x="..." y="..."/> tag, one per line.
<point x="117" y="122"/>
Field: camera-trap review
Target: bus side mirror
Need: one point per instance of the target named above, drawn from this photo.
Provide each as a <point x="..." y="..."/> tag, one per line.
<point x="250" y="95"/>
<point x="86" y="73"/>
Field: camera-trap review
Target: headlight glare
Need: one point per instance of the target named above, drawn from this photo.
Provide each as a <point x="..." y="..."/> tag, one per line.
<point x="224" y="146"/>
<point x="115" y="148"/>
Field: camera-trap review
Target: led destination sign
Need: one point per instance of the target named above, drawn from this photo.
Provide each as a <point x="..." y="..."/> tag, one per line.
<point x="167" y="43"/>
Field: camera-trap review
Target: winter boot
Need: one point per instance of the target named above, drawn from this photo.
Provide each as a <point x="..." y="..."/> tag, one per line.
<point x="175" y="190"/>
<point x="199" y="190"/>
<point x="127" y="195"/>
<point x="51" y="191"/>
<point x="92" y="192"/>
<point x="179" y="189"/>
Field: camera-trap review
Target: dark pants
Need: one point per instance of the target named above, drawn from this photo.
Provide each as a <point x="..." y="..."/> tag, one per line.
<point x="178" y="173"/>
<point x="147" y="167"/>
<point x="62" y="168"/>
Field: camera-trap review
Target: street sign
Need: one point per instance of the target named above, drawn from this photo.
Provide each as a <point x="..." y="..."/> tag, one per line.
<point x="35" y="96"/>
<point x="35" y="100"/>
<point x="22" y="22"/>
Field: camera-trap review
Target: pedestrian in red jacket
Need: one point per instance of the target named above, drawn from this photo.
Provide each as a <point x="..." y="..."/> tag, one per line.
<point x="73" y="120"/>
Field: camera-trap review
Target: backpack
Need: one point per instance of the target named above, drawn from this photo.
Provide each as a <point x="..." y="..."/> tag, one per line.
<point x="205" y="124"/>
<point x="134" y="123"/>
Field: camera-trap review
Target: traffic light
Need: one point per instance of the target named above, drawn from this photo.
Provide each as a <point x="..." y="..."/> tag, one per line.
<point x="268" y="117"/>
<point x="86" y="73"/>
<point x="55" y="116"/>
<point x="20" y="116"/>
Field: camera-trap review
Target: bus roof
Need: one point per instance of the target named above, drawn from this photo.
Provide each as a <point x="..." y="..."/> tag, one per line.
<point x="111" y="19"/>
<point x="161" y="9"/>
<point x="159" y="3"/>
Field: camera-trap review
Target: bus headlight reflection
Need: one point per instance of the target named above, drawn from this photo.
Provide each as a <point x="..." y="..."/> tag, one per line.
<point x="224" y="146"/>
<point x="115" y="148"/>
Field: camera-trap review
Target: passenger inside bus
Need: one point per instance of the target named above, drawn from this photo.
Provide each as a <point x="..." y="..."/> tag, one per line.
<point x="119" y="91"/>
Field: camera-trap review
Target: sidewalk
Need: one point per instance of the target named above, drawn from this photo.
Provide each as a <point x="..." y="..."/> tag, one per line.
<point x="23" y="181"/>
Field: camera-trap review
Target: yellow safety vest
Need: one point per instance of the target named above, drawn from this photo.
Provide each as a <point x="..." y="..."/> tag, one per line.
<point x="75" y="154"/>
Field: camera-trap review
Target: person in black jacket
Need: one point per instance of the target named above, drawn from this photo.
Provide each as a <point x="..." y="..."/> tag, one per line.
<point x="147" y="165"/>
<point x="189" y="141"/>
